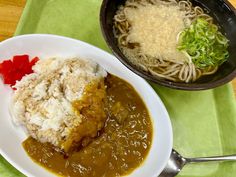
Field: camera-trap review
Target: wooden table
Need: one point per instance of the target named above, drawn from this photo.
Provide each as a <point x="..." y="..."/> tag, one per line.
<point x="10" y="12"/>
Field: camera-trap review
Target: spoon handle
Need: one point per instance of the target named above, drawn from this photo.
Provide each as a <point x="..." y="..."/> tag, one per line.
<point x="210" y="159"/>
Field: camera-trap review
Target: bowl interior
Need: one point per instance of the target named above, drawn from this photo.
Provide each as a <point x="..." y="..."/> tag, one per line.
<point x="223" y="14"/>
<point x="45" y="46"/>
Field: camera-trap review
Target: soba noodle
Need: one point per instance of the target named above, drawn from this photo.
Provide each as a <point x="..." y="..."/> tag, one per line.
<point x="173" y="70"/>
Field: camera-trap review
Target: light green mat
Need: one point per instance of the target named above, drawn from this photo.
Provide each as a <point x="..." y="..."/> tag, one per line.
<point x="204" y="122"/>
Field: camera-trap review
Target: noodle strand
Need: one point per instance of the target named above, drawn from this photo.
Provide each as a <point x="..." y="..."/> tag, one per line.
<point x="170" y="70"/>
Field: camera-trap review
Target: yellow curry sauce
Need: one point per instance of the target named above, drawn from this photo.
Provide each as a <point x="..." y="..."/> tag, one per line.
<point x="121" y="146"/>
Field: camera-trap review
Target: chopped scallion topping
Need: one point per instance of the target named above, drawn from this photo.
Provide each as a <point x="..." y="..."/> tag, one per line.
<point x="204" y="43"/>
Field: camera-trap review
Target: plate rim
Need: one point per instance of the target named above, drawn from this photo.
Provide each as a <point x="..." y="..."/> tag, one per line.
<point x="87" y="45"/>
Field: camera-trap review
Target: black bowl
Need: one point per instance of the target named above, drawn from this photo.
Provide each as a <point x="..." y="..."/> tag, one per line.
<point x="222" y="12"/>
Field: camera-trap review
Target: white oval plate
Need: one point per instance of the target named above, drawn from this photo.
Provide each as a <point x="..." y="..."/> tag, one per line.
<point x="45" y="46"/>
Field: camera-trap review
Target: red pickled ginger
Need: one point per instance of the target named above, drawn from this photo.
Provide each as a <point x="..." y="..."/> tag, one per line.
<point x="14" y="69"/>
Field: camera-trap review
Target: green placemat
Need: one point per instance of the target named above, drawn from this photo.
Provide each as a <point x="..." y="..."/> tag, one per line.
<point x="203" y="122"/>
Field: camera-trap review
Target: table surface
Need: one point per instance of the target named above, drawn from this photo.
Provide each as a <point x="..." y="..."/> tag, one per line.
<point x="10" y="12"/>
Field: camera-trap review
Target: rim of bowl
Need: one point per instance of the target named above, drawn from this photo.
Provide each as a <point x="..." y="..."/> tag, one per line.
<point x="175" y="85"/>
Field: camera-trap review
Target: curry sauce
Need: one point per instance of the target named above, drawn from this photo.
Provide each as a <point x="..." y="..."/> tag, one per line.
<point x="120" y="147"/>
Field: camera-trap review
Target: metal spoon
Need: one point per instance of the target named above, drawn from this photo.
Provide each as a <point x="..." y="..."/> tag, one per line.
<point x="177" y="162"/>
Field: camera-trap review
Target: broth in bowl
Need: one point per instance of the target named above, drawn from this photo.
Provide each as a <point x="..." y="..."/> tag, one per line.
<point x="170" y="39"/>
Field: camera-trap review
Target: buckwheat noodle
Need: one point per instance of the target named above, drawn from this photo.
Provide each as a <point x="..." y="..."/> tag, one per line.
<point x="176" y="71"/>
